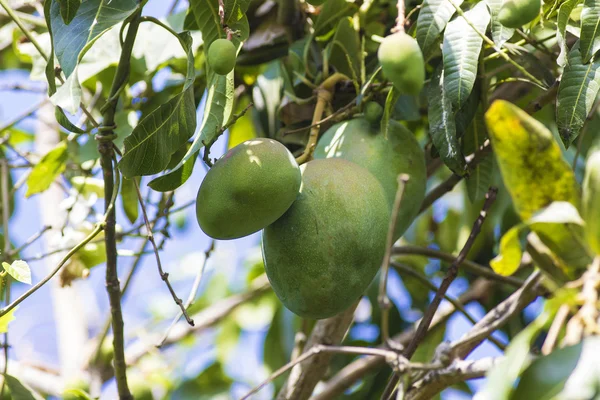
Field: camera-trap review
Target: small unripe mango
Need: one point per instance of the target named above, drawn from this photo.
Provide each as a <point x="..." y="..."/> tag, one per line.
<point x="516" y="13"/>
<point x="402" y="63"/>
<point x="323" y="253"/>
<point x="221" y="56"/>
<point x="373" y="112"/>
<point x="247" y="189"/>
<point x="359" y="141"/>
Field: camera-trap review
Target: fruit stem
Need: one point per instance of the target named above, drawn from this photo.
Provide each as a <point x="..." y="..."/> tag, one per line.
<point x="400" y="20"/>
<point x="324" y="96"/>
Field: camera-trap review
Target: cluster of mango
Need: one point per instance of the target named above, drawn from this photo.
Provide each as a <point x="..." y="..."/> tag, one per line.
<point x="325" y="222"/>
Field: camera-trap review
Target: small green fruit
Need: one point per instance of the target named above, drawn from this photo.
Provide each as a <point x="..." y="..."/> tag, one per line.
<point x="251" y="186"/>
<point x="373" y="112"/>
<point x="591" y="201"/>
<point x="358" y="141"/>
<point x="323" y="253"/>
<point x="402" y="62"/>
<point x="516" y="13"/>
<point x="221" y="56"/>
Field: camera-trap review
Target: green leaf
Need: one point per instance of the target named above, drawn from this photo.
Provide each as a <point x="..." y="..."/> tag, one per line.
<point x="388" y="109"/>
<point x="204" y="15"/>
<point x="564" y="12"/>
<point x="590" y="29"/>
<point x="68" y="9"/>
<point x="560" y="228"/>
<point x="150" y="146"/>
<point x="461" y="48"/>
<point x="479" y="178"/>
<point x="576" y="95"/>
<point x="47" y="169"/>
<point x="500" y="33"/>
<point x="331" y="12"/>
<point x="501" y="379"/>
<point x="547" y="375"/>
<point x="175" y="178"/>
<point x="590" y="205"/>
<point x="92" y="19"/>
<point x="584" y="380"/>
<point x="68" y="95"/>
<point x="19" y="270"/>
<point x="7" y="319"/>
<point x="18" y="391"/>
<point x="510" y="253"/>
<point x="129" y="199"/>
<point x="217" y="110"/>
<point x="530" y="160"/>
<point x="432" y="20"/>
<point x="442" y="126"/>
<point x="345" y="53"/>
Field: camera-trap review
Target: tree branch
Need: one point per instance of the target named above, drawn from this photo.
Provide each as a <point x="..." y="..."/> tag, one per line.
<point x="305" y="376"/>
<point x="106" y="149"/>
<point x="352" y="372"/>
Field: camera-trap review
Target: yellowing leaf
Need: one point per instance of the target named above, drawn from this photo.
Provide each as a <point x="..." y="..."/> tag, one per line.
<point x="530" y="160"/>
<point x="7" y="319"/>
<point x="243" y="128"/>
<point x="509" y="258"/>
<point x="47" y="169"/>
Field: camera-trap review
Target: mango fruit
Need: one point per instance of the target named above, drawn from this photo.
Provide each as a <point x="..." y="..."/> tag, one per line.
<point x="247" y="189"/>
<point x="402" y="63"/>
<point x="516" y="13"/>
<point x="591" y="200"/>
<point x="221" y="56"/>
<point x="323" y="253"/>
<point x="357" y="140"/>
<point x="373" y="112"/>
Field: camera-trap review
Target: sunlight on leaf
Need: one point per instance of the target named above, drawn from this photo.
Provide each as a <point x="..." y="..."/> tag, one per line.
<point x="19" y="270"/>
<point x="530" y="160"/>
<point x="47" y="169"/>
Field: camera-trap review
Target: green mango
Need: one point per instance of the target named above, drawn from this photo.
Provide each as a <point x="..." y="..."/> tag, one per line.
<point x="402" y="63"/>
<point x="516" y="13"/>
<point x="373" y="112"/>
<point x="358" y="141"/>
<point x="221" y="56"/>
<point x="247" y="189"/>
<point x="323" y="253"/>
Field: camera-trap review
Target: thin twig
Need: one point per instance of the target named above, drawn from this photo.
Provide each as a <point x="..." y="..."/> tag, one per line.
<point x="163" y="275"/>
<point x="471" y="266"/>
<point x="383" y="299"/>
<point x="5" y="279"/>
<point x="29" y="241"/>
<point x="406" y="270"/>
<point x="324" y="97"/>
<point x="555" y="328"/>
<point x="232" y="120"/>
<point x="391" y="357"/>
<point x="451" y="274"/>
<point x="400" y="20"/>
<point x="193" y="293"/>
<point x="99" y="227"/>
<point x="111" y="177"/>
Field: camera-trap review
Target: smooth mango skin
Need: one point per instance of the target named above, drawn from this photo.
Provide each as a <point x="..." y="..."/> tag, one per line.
<point x="323" y="253"/>
<point x="402" y="63"/>
<point x="358" y="141"/>
<point x="221" y="56"/>
<point x="516" y="13"/>
<point x="247" y="189"/>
